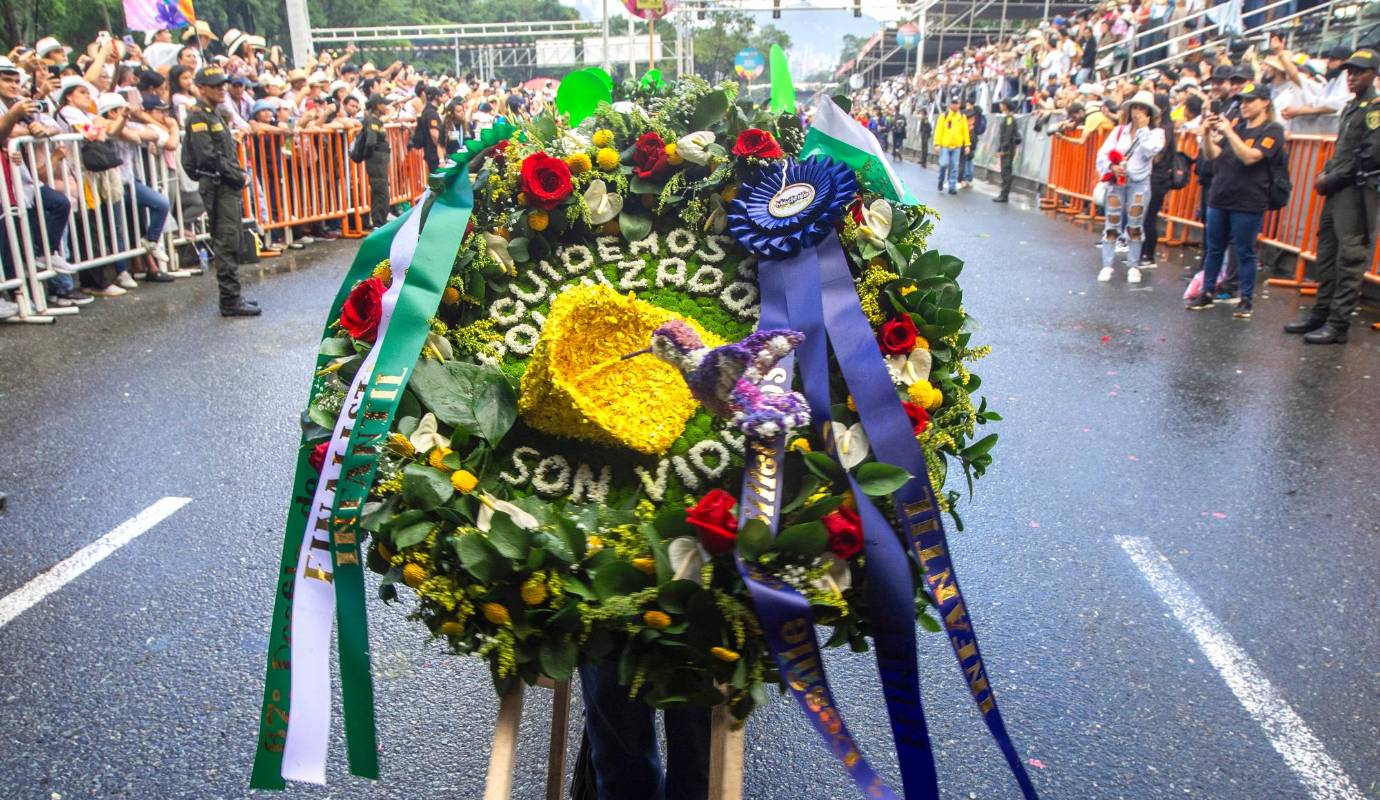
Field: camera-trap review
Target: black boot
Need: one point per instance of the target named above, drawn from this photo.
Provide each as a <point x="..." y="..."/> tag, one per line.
<point x="1001" y="198"/>
<point x="241" y="309"/>
<point x="1304" y="325"/>
<point x="1327" y="334"/>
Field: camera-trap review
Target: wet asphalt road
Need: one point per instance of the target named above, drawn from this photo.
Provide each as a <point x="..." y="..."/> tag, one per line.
<point x="1247" y="460"/>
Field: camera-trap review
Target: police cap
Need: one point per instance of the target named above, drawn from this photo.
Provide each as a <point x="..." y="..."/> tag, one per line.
<point x="1363" y="59"/>
<point x="211" y="76"/>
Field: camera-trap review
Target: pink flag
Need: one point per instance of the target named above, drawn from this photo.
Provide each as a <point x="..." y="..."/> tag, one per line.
<point x="157" y="15"/>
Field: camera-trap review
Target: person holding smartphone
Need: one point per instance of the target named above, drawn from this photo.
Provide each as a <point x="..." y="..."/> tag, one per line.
<point x="1241" y="154"/>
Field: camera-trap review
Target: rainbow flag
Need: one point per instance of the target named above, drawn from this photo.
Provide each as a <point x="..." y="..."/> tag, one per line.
<point x="157" y="15"/>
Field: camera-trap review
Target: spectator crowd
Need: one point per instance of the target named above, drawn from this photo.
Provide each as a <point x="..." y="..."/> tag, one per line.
<point x="127" y="101"/>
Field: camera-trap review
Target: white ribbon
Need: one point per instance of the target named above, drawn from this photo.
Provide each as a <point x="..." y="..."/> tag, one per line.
<point x="313" y="599"/>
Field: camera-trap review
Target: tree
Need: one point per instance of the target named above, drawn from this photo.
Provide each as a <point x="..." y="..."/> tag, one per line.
<point x="728" y="32"/>
<point x="851" y="45"/>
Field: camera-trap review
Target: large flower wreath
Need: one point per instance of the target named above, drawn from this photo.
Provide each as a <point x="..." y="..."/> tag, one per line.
<point x="553" y="499"/>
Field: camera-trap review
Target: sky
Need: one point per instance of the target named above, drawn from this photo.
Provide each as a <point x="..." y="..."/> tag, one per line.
<point x="815" y="35"/>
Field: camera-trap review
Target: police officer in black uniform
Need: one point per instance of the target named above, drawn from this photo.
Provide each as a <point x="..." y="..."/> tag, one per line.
<point x="376" y="151"/>
<point x="1346" y="232"/>
<point x="1008" y="139"/>
<point x="209" y="157"/>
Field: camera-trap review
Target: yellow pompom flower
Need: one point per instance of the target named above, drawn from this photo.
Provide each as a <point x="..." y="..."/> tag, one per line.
<point x="606" y="158"/>
<point x="538" y="220"/>
<point x="450" y="296"/>
<point x="401" y="445"/>
<point x="534" y="593"/>
<point x="594" y="544"/>
<point x="920" y="342"/>
<point x="414" y="575"/>
<point x="602" y="137"/>
<point x="437" y="454"/>
<point x="936" y="399"/>
<point x="463" y="480"/>
<point x="672" y="156"/>
<point x="578" y="163"/>
<point x="800" y="444"/>
<point x="724" y="654"/>
<point x="919" y="392"/>
<point x="906" y="291"/>
<point x="647" y="565"/>
<point x="496" y="614"/>
<point x="384" y="272"/>
<point x="451" y="628"/>
<point x="656" y="620"/>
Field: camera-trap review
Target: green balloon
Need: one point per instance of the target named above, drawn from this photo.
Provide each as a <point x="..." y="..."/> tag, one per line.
<point x="603" y="76"/>
<point x="579" y="95"/>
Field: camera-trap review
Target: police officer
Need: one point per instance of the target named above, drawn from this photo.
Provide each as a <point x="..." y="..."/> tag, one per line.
<point x="1008" y="139"/>
<point x="376" y="152"/>
<point x="1346" y="231"/>
<point x="209" y="156"/>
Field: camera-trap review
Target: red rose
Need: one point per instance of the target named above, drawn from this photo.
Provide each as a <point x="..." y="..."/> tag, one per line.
<point x="845" y="531"/>
<point x="856" y="210"/>
<point x="318" y="456"/>
<point x="363" y="309"/>
<point x="545" y="180"/>
<point x="649" y="156"/>
<point x="757" y="143"/>
<point x="898" y="336"/>
<point x="919" y="417"/>
<point x="713" y="517"/>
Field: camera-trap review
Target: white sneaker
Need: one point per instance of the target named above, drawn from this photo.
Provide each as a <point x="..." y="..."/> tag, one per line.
<point x="60" y="264"/>
<point x="1133" y="275"/>
<point x="1151" y="264"/>
<point x="8" y="308"/>
<point x="180" y="273"/>
<point x="126" y="281"/>
<point x="1122" y="246"/>
<point x="109" y="291"/>
<point x="306" y="239"/>
<point x="156" y="250"/>
<point x="1105" y="275"/>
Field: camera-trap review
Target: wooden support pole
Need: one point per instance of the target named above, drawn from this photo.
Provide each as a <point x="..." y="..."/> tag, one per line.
<point x="555" y="759"/>
<point x="725" y="756"/>
<point x="503" y="756"/>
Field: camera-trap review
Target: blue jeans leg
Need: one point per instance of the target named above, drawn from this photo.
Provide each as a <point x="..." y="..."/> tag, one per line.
<point x="948" y="166"/>
<point x="1216" y="233"/>
<point x="1245" y="227"/>
<point x="157" y="207"/>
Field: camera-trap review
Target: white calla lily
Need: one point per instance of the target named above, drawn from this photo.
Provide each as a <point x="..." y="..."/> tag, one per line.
<point x="694" y="147"/>
<point x="488" y="504"/>
<point x="838" y="579"/>
<point x="426" y="436"/>
<point x="876" y="224"/>
<point x="603" y="204"/>
<point x="687" y="558"/>
<point x="441" y="345"/>
<point x="850" y="443"/>
<point x="907" y="369"/>
<point x="498" y="248"/>
<point x="717" y="219"/>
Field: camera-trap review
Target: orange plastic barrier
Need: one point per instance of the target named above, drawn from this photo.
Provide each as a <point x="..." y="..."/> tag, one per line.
<point x="1292" y="229"/>
<point x="307" y="177"/>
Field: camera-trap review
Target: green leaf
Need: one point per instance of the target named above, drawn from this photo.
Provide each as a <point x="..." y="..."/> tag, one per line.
<point x="425" y="488"/>
<point x="643" y="186"/>
<point x="808" y="539"/>
<point x="618" y="577"/>
<point x="476" y="556"/>
<point x="980" y="447"/>
<point x="822" y="465"/>
<point x="819" y="508"/>
<point x="708" y="110"/>
<point x="754" y="539"/>
<point x="472" y="397"/>
<point x="337" y="346"/>
<point x="674" y="595"/>
<point x="634" y="226"/>
<point x="544" y="127"/>
<point x="412" y="534"/>
<point x="558" y="657"/>
<point x="507" y="538"/>
<point x="321" y="417"/>
<point x="808" y="485"/>
<point x="877" y="479"/>
<point x="517" y="248"/>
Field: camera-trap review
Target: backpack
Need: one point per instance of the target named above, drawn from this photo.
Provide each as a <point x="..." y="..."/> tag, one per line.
<point x="1281" y="185"/>
<point x="359" y="148"/>
<point x="1180" y="170"/>
<point x="100" y="156"/>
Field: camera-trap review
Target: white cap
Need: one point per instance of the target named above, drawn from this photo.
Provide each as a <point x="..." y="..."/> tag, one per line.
<point x="232" y="39"/>
<point x="337" y="86"/>
<point x="71" y="82"/>
<point x="257" y="42"/>
<point x="7" y="65"/>
<point x="49" y="44"/>
<point x="317" y="77"/>
<point x="109" y="101"/>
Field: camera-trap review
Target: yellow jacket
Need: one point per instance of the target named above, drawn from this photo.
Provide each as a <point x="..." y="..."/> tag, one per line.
<point x="951" y="130"/>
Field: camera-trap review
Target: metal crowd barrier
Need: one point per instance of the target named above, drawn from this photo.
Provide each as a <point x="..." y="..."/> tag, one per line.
<point x="103" y="224"/>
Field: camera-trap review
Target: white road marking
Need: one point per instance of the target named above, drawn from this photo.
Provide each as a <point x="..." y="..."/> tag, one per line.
<point x="31" y="593"/>
<point x="1288" y="733"/>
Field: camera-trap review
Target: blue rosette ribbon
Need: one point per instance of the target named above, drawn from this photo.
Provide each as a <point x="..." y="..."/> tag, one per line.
<point x="787" y="216"/>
